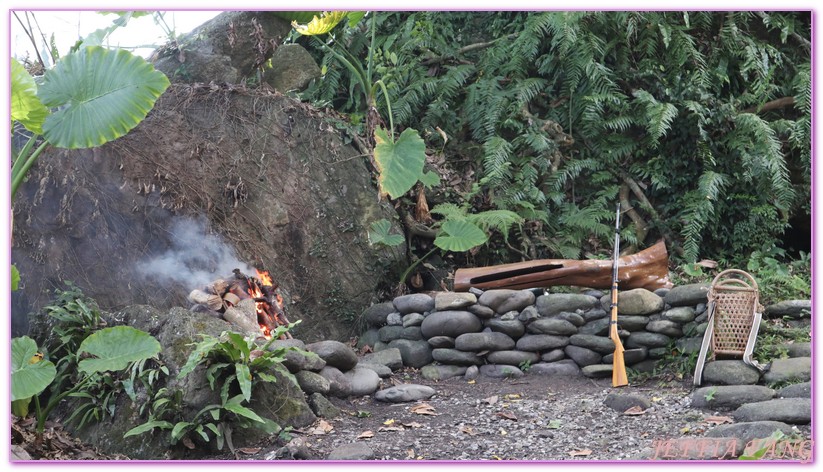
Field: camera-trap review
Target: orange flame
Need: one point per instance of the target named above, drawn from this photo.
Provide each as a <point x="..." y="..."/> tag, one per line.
<point x="264" y="277"/>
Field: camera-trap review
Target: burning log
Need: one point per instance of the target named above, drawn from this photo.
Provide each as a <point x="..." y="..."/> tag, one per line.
<point x="647" y="269"/>
<point x="250" y="303"/>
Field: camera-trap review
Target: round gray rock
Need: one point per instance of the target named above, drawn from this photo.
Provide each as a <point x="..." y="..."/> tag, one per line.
<point x="389" y="333"/>
<point x="368" y="338"/>
<point x="621" y="402"/>
<point x="792" y="308"/>
<point x="582" y="356"/>
<point x="786" y="410"/>
<point x="730" y="372"/>
<point x="599" y="327"/>
<point x="597" y="371"/>
<point x="632" y="323"/>
<point x="801" y="390"/>
<point x="793" y="369"/>
<point x="594" y="314"/>
<point x="646" y="339"/>
<point x="512" y="328"/>
<point x="450" y="323"/>
<point x="687" y="295"/>
<point x="554" y="326"/>
<point x="339" y="384"/>
<point x="630" y="356"/>
<point x="442" y="372"/>
<point x="500" y="371"/>
<point x="555" y="303"/>
<point x="391" y="358"/>
<point x="414" y="303"/>
<point x="453" y="300"/>
<point x="376" y="315"/>
<point x="394" y="319"/>
<point x="681" y="314"/>
<point x="561" y="368"/>
<point x="404" y="393"/>
<point x="502" y="301"/>
<point x="456" y="357"/>
<point x="666" y="327"/>
<point x="512" y="357"/>
<point x="730" y="396"/>
<point x="526" y="316"/>
<point x="441" y="341"/>
<point x="335" y="353"/>
<point x="412" y="333"/>
<point x="553" y="356"/>
<point x="638" y="301"/>
<point x="472" y="372"/>
<point x="572" y="318"/>
<point x="414" y="353"/>
<point x="311" y="382"/>
<point x="476" y="342"/>
<point x="351" y="452"/>
<point x="363" y="381"/>
<point x="749" y="431"/>
<point x="382" y="371"/>
<point x="481" y="311"/>
<point x="412" y="319"/>
<point x="600" y="344"/>
<point x="541" y="342"/>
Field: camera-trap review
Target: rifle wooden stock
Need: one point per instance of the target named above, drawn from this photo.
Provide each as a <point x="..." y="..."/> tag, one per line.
<point x="619" y="376"/>
<point x="647" y="269"/>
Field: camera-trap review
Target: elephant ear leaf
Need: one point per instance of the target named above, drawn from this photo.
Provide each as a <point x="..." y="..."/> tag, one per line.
<point x="114" y="348"/>
<point x="100" y="95"/>
<point x="400" y="162"/>
<point x="460" y="235"/>
<point x="30" y="373"/>
<point x="26" y="108"/>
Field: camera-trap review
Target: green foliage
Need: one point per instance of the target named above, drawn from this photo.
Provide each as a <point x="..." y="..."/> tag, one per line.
<point x="15" y="278"/>
<point x="710" y="394"/>
<point x="767" y="445"/>
<point x="234" y="365"/>
<point x="30" y="374"/>
<point x="779" y="279"/>
<point x="399" y="162"/>
<point x="379" y="234"/>
<point x="115" y="348"/>
<point x="565" y="108"/>
<point x="459" y="235"/>
<point x="76" y="317"/>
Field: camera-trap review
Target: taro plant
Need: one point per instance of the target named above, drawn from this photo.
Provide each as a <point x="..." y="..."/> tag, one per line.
<point x="110" y="350"/>
<point x="233" y="366"/>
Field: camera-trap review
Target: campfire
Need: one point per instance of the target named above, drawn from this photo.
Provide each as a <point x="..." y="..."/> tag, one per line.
<point x="249" y="302"/>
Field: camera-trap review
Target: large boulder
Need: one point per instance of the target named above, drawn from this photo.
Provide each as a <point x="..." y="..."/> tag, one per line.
<point x="292" y="69"/>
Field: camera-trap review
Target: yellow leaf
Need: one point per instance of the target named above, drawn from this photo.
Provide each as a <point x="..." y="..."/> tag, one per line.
<point x="388" y="422"/>
<point x="471" y="382"/>
<point x="423" y="409"/>
<point x="503" y="432"/>
<point x="512" y="396"/>
<point x="36" y="358"/>
<point x="685" y="430"/>
<point x="366" y="435"/>
<point x="581" y="452"/>
<point x="656" y="399"/>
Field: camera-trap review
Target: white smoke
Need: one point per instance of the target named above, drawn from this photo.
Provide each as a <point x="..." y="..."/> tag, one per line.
<point x="195" y="257"/>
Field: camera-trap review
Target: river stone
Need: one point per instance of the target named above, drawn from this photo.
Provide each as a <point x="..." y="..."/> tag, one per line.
<point x="483" y="342"/>
<point x="311" y="382"/>
<point x="390" y="358"/>
<point x="339" y="385"/>
<point x="798" y="349"/>
<point x="793" y="369"/>
<point x="456" y="357"/>
<point x="296" y="360"/>
<point x="413" y="319"/>
<point x="669" y="328"/>
<point x="382" y="371"/>
<point x="481" y="311"/>
<point x="414" y="353"/>
<point x="414" y="303"/>
<point x="687" y="295"/>
<point x="565" y="367"/>
<point x="597" y="371"/>
<point x="598" y="327"/>
<point x="638" y="301"/>
<point x="647" y="367"/>
<point x="600" y="344"/>
<point x="441" y="341"/>
<point x="512" y="328"/>
<point x="500" y="371"/>
<point x="376" y="315"/>
<point x="573" y="318"/>
<point x="453" y="300"/>
<point x="541" y="342"/>
<point x="594" y="314"/>
<point x="730" y="396"/>
<point x="795" y="309"/>
<point x="322" y="407"/>
<point x="404" y="393"/>
<point x="335" y="353"/>
<point x="620" y="402"/>
<point x="389" y="333"/>
<point x="730" y="372"/>
<point x="689" y="345"/>
<point x="513" y="357"/>
<point x="394" y="319"/>
<point x="552" y="326"/>
<point x="553" y="356"/>
<point x="632" y="323"/>
<point x="800" y="390"/>
<point x="749" y="431"/>
<point x="658" y="352"/>
<point x="301" y="69"/>
<point x="786" y="410"/>
<point x="582" y="356"/>
<point x="412" y="333"/>
<point x="528" y="315"/>
<point x="442" y="372"/>
<point x="472" y="372"/>
<point x="351" y="452"/>
<point x="363" y="381"/>
<point x="450" y="323"/>
<point x="555" y="303"/>
<point x="646" y="339"/>
<point x="681" y="314"/>
<point x="505" y="300"/>
<point x="630" y="356"/>
<point x="368" y="338"/>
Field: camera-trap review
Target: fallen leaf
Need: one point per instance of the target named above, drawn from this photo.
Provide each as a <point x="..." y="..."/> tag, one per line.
<point x="506" y="415"/>
<point x="322" y="427"/>
<point x="391" y="428"/>
<point x="503" y="432"/>
<point x="365" y="435"/>
<point x="187" y="442"/>
<point x="718" y="420"/>
<point x="410" y="454"/>
<point x="512" y="396"/>
<point x="249" y="450"/>
<point x="685" y="430"/>
<point x="555" y="424"/>
<point x="635" y="411"/>
<point x="581" y="452"/>
<point x="491" y="400"/>
<point x="468" y="430"/>
<point x="413" y="424"/>
<point x="709" y="264"/>
<point x="388" y="422"/>
<point x="471" y="382"/>
<point x="423" y="409"/>
<point x="656" y="399"/>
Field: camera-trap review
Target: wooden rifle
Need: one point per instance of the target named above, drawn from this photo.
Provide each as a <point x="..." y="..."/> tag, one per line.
<point x="619" y="377"/>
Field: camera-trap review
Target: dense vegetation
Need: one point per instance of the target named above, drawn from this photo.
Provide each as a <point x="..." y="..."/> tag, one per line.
<point x="697" y="122"/>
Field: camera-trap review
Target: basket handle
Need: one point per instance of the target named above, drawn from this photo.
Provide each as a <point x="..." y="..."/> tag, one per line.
<point x="732" y="282"/>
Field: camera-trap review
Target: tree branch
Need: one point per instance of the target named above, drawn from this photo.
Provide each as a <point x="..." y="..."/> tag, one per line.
<point x="772" y="105"/>
<point x="465" y="49"/>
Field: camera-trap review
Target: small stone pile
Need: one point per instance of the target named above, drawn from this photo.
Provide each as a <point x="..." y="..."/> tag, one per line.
<point x="502" y="333"/>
